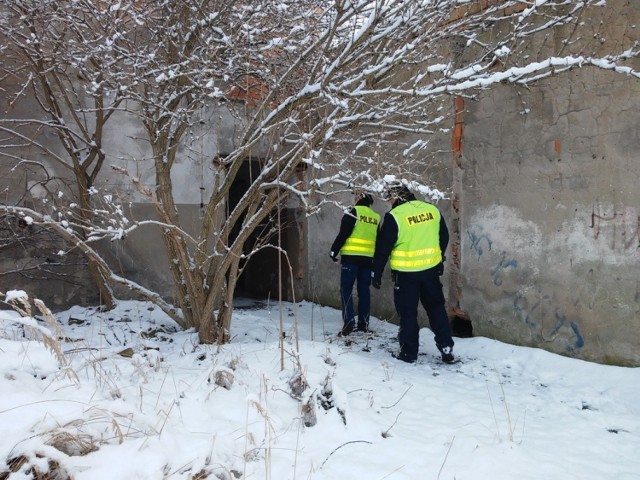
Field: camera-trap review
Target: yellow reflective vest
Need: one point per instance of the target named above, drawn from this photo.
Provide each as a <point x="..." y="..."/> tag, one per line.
<point x="362" y="240"/>
<point x="418" y="245"/>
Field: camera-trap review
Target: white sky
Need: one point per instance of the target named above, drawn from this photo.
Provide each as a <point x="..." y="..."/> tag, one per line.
<point x="503" y="412"/>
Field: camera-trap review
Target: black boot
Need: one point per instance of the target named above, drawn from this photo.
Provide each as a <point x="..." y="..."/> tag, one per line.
<point x="403" y="357"/>
<point x="347" y="329"/>
<point x="447" y="355"/>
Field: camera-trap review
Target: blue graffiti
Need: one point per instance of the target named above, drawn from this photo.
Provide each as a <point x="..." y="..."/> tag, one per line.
<point x="502" y="265"/>
<point x="531" y="311"/>
<point x="475" y="242"/>
<point x="526" y="309"/>
<point x="521" y="311"/>
<point x="579" y="338"/>
<point x="560" y="320"/>
<point x="579" y="342"/>
<point x="523" y="308"/>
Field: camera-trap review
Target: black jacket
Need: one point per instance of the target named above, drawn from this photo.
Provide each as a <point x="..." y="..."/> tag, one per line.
<point x="346" y="227"/>
<point x="388" y="236"/>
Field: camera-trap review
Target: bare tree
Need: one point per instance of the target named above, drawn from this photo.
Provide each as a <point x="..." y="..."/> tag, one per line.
<point x="348" y="90"/>
<point x="57" y="67"/>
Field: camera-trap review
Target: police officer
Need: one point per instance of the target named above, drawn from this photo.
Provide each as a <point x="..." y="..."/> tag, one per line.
<point x="355" y="243"/>
<point x="415" y="236"/>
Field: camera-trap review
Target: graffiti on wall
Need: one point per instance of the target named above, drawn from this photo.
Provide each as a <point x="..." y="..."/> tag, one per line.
<point x="620" y="227"/>
<point x="480" y="242"/>
<point x="536" y="310"/>
<point x="533" y="305"/>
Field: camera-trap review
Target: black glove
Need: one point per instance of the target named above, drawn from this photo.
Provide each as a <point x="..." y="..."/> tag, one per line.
<point x="440" y="268"/>
<point x="333" y="256"/>
<point x="376" y="281"/>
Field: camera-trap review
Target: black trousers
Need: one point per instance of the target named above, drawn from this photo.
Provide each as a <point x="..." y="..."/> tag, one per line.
<point x="424" y="287"/>
<point x="350" y="274"/>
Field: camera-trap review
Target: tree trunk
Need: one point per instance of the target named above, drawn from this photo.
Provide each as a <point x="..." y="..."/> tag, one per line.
<point x="100" y="281"/>
<point x="106" y="294"/>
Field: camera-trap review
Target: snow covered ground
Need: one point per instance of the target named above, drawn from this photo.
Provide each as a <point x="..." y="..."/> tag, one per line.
<point x="133" y="397"/>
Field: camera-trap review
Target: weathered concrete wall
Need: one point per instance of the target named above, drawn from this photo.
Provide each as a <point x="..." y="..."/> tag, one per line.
<point x="60" y="281"/>
<point x="140" y="257"/>
<point x="550" y="221"/>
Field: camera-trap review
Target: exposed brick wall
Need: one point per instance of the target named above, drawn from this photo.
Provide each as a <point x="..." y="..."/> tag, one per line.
<point x="479" y="5"/>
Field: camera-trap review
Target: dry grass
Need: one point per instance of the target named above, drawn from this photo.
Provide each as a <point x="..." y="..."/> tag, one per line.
<point x="50" y="337"/>
<point x="76" y="438"/>
<point x="23" y="464"/>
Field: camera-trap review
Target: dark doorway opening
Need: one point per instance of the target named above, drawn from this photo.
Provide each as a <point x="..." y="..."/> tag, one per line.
<point x="259" y="278"/>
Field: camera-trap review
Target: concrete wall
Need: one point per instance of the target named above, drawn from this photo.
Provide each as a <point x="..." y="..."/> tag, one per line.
<point x="551" y="220"/>
<point x="550" y="208"/>
<point x="141" y="256"/>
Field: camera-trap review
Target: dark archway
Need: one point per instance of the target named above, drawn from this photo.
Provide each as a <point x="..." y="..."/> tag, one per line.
<point x="260" y="277"/>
